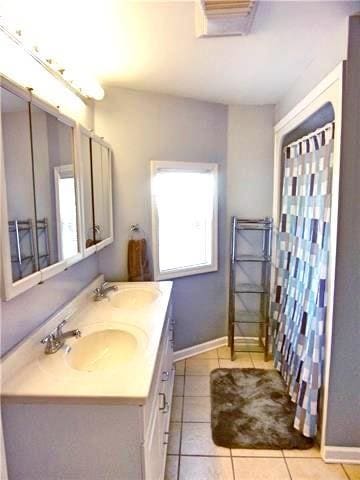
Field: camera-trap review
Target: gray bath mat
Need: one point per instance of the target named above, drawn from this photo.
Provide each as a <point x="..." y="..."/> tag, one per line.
<point x="250" y="408"/>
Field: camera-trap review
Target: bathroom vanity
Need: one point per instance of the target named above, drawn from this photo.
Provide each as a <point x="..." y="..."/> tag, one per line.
<point x="98" y="408"/>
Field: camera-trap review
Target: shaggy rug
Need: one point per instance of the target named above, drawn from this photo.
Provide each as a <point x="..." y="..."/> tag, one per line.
<point x="250" y="408"/>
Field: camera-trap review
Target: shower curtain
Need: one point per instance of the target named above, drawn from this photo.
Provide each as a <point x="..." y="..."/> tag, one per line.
<point x="300" y="291"/>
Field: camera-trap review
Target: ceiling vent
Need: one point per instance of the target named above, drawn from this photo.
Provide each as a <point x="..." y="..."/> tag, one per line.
<point x="221" y="18"/>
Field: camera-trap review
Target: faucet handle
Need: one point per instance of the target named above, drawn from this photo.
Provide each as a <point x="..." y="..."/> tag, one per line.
<point x="60" y="326"/>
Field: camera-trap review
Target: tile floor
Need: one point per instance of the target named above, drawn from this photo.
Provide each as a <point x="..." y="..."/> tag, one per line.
<point x="192" y="455"/>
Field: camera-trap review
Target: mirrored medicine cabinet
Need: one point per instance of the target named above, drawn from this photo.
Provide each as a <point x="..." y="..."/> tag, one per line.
<point x="97" y="191"/>
<point x="56" y="206"/>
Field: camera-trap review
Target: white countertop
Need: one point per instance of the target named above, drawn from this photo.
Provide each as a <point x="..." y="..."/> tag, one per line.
<point x="30" y="376"/>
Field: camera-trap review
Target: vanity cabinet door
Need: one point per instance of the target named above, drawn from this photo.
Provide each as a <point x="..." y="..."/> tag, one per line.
<point x="158" y="409"/>
<point x="55" y="191"/>
<point x="20" y="259"/>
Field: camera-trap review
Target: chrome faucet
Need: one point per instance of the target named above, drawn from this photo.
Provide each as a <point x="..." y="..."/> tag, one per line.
<point x="102" y="291"/>
<point x="56" y="339"/>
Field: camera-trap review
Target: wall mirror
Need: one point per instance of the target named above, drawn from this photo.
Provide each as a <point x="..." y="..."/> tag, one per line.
<point x="56" y="205"/>
<point x="97" y="192"/>
<point x="101" y="170"/>
<point x="55" y="188"/>
<point x="19" y="187"/>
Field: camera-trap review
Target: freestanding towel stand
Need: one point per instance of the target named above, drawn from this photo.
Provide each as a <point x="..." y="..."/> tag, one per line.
<point x="244" y="320"/>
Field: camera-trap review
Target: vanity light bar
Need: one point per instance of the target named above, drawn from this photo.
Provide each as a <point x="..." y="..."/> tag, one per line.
<point x="92" y="90"/>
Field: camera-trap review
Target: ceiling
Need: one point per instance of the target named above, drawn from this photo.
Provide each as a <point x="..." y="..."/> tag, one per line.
<point x="151" y="45"/>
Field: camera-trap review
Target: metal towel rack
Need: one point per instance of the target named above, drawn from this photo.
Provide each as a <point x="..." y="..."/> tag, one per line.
<point x="242" y="319"/>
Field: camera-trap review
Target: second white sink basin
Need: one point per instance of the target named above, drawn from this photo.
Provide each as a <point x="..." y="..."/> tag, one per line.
<point x="134" y="297"/>
<point x="102" y="350"/>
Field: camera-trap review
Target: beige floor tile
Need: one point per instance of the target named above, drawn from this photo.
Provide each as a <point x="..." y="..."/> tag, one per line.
<point x="180" y="367"/>
<point x="197" y="409"/>
<point x="353" y="471"/>
<point x="201" y="367"/>
<point x="205" y="468"/>
<point x="224" y="352"/>
<point x="174" y="438"/>
<point x="176" y="409"/>
<point x="310" y="453"/>
<point x="258" y="360"/>
<point x="314" y="469"/>
<point x="197" y="386"/>
<point x="260" y="469"/>
<point x="179" y="386"/>
<point x="171" y="469"/>
<point x="211" y="354"/>
<point x="244" y="362"/>
<point x="247" y="452"/>
<point x="196" y="440"/>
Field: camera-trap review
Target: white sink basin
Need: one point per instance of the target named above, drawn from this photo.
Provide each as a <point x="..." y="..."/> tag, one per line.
<point x="102" y="350"/>
<point x="103" y="347"/>
<point x="134" y="297"/>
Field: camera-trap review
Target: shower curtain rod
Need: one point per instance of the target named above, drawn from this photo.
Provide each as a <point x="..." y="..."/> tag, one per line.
<point x="328" y="126"/>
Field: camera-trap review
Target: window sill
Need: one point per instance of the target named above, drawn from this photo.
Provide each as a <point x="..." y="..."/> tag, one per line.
<point x="186" y="272"/>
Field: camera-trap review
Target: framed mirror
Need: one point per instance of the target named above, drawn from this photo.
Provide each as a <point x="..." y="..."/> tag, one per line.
<point x="20" y="259"/>
<point x="102" y="192"/>
<point x="96" y="192"/>
<point x="57" y="229"/>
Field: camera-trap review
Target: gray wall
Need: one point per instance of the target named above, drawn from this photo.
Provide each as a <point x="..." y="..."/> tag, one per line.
<point x="250" y="160"/>
<point x="145" y="126"/>
<point x="344" y="395"/>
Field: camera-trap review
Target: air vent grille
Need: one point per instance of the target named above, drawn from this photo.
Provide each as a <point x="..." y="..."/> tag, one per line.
<point x="222" y="18"/>
<point x="215" y="8"/>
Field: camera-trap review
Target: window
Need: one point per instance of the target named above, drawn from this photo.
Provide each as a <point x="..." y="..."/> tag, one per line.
<point x="184" y="215"/>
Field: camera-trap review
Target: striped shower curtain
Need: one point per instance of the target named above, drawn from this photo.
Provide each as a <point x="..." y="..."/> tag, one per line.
<point x="300" y="292"/>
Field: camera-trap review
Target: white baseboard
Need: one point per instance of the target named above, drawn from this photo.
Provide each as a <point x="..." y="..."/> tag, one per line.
<point x="332" y="454"/>
<point x="201" y="348"/>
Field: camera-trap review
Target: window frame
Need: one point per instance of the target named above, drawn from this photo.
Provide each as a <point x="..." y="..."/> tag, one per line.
<point x="195" y="167"/>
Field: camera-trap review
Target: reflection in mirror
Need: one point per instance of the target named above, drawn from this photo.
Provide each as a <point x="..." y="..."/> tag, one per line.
<point x="66" y="211"/>
<point x="19" y="184"/>
<point x="101" y="185"/>
<point x="87" y="190"/>
<point x="55" y="197"/>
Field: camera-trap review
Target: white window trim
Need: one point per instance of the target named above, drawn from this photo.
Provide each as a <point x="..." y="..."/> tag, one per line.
<point x="189" y="167"/>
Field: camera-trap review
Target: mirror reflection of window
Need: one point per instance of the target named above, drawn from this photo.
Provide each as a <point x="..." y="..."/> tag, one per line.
<point x="66" y="218"/>
<point x="19" y="184"/>
<point x="52" y="151"/>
